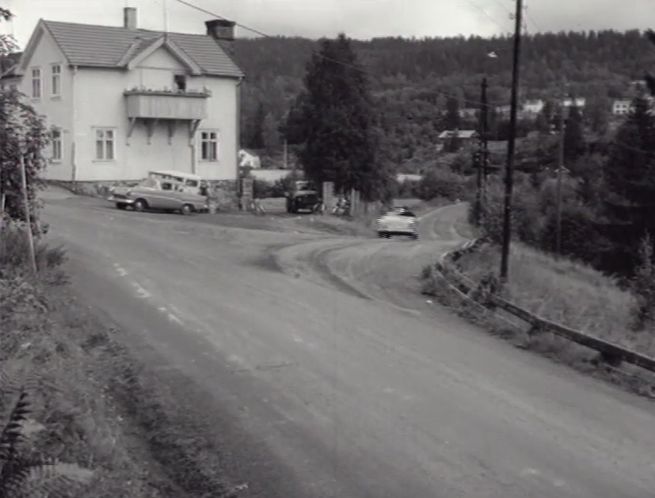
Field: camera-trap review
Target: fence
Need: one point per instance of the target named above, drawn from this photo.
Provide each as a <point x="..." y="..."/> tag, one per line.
<point x="486" y="297"/>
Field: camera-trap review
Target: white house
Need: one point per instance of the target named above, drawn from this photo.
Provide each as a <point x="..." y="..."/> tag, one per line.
<point x="468" y="112"/>
<point x="533" y="106"/>
<point x="621" y="106"/>
<point x="578" y="102"/>
<point x="123" y="101"/>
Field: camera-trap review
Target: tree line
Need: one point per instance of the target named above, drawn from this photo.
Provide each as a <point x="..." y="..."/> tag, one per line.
<point x="411" y="80"/>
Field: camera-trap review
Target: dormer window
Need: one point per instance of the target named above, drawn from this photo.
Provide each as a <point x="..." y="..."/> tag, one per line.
<point x="180" y="82"/>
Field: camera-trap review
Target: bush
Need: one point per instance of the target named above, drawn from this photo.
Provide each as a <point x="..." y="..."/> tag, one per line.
<point x="14" y="253"/>
<point x="643" y="286"/>
<point x="261" y="189"/>
<point x="443" y="183"/>
<point x="407" y="189"/>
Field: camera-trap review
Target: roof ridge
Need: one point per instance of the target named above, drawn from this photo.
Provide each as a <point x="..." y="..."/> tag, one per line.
<point x="155" y="32"/>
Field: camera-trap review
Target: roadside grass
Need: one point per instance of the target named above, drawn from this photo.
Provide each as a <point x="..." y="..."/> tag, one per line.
<point x="564" y="291"/>
<point x="535" y="286"/>
<point x="93" y="403"/>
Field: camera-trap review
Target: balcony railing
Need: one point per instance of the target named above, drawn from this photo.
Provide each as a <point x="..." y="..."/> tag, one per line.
<point x="155" y="104"/>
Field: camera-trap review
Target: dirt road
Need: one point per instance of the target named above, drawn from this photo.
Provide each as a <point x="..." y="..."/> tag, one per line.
<point x="329" y="376"/>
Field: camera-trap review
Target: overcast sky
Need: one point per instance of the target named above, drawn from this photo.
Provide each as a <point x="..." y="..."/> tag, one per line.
<point x="357" y="18"/>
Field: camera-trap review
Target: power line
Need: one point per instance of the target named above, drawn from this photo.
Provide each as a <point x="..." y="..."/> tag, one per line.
<point x="504" y="29"/>
<point x="318" y="54"/>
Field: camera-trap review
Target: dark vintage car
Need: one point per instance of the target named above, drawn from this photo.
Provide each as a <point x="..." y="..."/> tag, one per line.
<point x="304" y="198"/>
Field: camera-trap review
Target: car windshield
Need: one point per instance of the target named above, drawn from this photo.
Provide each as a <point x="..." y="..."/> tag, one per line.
<point x="149" y="183"/>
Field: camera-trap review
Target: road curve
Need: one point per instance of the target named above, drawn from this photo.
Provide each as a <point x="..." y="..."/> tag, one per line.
<point x="340" y="379"/>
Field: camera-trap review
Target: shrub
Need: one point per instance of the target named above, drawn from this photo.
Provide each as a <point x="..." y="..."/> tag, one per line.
<point x="643" y="286"/>
<point x="442" y="183"/>
<point x="261" y="189"/>
<point x="407" y="189"/>
<point x="14" y="252"/>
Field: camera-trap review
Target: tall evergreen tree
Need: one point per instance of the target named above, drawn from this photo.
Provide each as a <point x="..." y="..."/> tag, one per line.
<point x="629" y="176"/>
<point x="574" y="143"/>
<point x="452" y="119"/>
<point x="256" y="138"/>
<point x="650" y="79"/>
<point x="545" y="118"/>
<point x="337" y="123"/>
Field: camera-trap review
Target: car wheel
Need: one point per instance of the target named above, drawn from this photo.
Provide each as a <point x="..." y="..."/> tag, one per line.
<point x="414" y="236"/>
<point x="120" y="205"/>
<point x="140" y="205"/>
<point x="187" y="209"/>
<point x="382" y="235"/>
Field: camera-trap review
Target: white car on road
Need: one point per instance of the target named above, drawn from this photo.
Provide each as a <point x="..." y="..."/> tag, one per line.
<point x="398" y="221"/>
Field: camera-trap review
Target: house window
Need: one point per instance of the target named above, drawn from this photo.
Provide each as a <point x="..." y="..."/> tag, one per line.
<point x="104" y="144"/>
<point x="208" y="145"/>
<point x="56" y="80"/>
<point x="55" y="136"/>
<point x="36" y="83"/>
<point x="180" y="82"/>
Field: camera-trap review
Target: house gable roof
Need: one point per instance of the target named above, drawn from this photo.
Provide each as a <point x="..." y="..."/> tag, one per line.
<point x="458" y="133"/>
<point x="148" y="47"/>
<point x="87" y="45"/>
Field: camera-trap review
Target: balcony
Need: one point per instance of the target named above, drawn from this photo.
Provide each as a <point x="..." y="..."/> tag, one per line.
<point x="154" y="104"/>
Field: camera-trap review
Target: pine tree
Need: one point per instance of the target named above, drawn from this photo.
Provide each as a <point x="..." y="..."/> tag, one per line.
<point x="337" y="122"/>
<point x="650" y="79"/>
<point x="452" y="118"/>
<point x="574" y="143"/>
<point x="629" y="177"/>
<point x="256" y="139"/>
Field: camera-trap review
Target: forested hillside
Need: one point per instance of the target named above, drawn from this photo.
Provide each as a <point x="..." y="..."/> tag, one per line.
<point x="410" y="78"/>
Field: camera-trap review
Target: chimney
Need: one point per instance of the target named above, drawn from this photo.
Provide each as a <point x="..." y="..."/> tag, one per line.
<point x="129" y="18"/>
<point x="222" y="31"/>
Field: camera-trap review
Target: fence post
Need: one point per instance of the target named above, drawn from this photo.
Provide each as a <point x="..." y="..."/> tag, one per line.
<point x="28" y="221"/>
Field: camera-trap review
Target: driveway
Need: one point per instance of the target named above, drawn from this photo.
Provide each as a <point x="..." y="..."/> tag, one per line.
<point x="338" y="379"/>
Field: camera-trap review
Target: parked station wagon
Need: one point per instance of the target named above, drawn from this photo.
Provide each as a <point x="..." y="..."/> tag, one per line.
<point x="165" y="191"/>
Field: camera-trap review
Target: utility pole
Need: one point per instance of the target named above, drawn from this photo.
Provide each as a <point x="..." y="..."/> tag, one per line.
<point x="484" y="118"/>
<point x="26" y="207"/>
<point x="479" y="156"/>
<point x="560" y="172"/>
<point x="286" y="155"/>
<point x="509" y="170"/>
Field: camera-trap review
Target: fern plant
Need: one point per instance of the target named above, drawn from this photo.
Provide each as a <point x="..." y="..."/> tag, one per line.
<point x="27" y="476"/>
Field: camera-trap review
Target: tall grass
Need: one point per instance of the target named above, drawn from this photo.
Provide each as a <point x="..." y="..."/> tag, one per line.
<point x="14" y="251"/>
<point x="564" y="291"/>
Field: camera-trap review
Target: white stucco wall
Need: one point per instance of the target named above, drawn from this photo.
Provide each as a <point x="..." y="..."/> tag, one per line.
<point x="56" y="109"/>
<point x="92" y="98"/>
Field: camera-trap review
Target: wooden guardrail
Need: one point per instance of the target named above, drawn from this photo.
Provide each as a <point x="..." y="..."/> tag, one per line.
<point x="612" y="353"/>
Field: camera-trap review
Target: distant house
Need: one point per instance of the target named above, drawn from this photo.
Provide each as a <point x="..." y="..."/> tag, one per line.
<point x="533" y="106"/>
<point x="578" y="102"/>
<point x="638" y="86"/>
<point x="122" y="101"/>
<point x="621" y="107"/>
<point x="466" y="137"/>
<point x="468" y="113"/>
<point x="248" y="159"/>
<point x="408" y="177"/>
